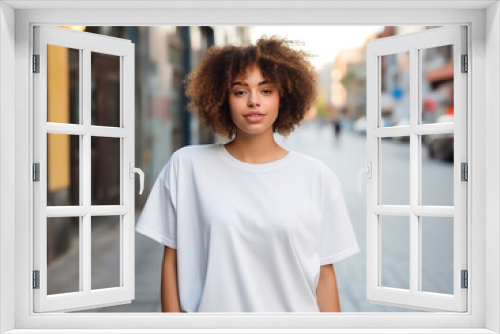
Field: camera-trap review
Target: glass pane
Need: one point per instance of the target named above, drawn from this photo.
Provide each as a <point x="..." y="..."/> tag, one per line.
<point x="63" y="255"/>
<point x="395" y="252"/>
<point x="63" y="169"/>
<point x="437" y="254"/>
<point x="395" y="170"/>
<point x="105" y="89"/>
<point x="105" y="246"/>
<point x="437" y="169"/>
<point x="395" y="89"/>
<point x="63" y="84"/>
<point x="437" y="84"/>
<point x="105" y="187"/>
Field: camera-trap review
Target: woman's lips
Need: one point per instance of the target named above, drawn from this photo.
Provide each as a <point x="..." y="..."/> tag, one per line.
<point x="255" y="118"/>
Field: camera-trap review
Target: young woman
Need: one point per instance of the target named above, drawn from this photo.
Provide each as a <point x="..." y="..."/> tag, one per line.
<point x="247" y="225"/>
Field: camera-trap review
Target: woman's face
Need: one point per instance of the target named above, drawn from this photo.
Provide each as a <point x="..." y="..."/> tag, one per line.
<point x="253" y="103"/>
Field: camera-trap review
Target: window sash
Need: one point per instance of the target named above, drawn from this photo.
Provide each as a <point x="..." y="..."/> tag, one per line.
<point x="412" y="43"/>
<point x="85" y="298"/>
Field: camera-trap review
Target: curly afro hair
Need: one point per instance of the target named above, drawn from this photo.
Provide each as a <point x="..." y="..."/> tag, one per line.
<point x="209" y="84"/>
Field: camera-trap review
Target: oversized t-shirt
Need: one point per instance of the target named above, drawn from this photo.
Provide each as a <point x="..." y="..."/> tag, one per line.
<point x="249" y="237"/>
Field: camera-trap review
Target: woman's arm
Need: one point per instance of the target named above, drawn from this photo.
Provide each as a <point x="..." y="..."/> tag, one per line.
<point x="327" y="294"/>
<point x="169" y="289"/>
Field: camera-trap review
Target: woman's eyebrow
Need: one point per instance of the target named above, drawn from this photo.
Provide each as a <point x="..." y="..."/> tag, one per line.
<point x="245" y="84"/>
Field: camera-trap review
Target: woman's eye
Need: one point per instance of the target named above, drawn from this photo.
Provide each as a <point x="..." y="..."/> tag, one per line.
<point x="267" y="91"/>
<point x="239" y="93"/>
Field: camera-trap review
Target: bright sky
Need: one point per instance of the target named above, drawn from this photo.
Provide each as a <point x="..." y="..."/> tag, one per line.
<point x="325" y="41"/>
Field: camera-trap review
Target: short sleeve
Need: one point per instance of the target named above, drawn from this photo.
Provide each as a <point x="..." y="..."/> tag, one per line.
<point x="158" y="217"/>
<point x="338" y="240"/>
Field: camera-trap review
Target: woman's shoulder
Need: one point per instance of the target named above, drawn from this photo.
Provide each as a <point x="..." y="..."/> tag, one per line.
<point x="190" y="151"/>
<point x="311" y="162"/>
<point x="315" y="167"/>
<point x="323" y="172"/>
<point x="184" y="157"/>
<point x="188" y="154"/>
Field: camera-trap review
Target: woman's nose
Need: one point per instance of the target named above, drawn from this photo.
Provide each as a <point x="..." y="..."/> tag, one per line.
<point x="252" y="100"/>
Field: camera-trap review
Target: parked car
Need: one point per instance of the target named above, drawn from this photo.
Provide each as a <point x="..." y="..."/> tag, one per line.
<point x="441" y="146"/>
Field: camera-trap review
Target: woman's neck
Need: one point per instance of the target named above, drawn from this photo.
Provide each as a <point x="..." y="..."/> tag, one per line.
<point x="255" y="149"/>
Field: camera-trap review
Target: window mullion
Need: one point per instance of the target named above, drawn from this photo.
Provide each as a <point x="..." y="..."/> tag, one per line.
<point x="418" y="117"/>
<point x="81" y="114"/>
<point x="123" y="167"/>
<point x="127" y="112"/>
<point x="414" y="171"/>
<point x="85" y="241"/>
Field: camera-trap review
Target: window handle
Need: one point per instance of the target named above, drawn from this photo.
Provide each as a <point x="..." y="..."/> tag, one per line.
<point x="133" y="170"/>
<point x="368" y="170"/>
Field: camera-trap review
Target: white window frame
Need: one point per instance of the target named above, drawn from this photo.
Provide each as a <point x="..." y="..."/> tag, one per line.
<point x="414" y="44"/>
<point x="123" y="50"/>
<point x="16" y="216"/>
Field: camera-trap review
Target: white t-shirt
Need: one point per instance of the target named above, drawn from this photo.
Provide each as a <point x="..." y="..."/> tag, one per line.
<point x="249" y="237"/>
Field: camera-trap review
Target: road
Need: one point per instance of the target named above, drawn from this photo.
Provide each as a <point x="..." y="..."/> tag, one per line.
<point x="346" y="156"/>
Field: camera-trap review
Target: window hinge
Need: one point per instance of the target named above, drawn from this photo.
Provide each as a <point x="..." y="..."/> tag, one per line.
<point x="36" y="172"/>
<point x="465" y="171"/>
<point x="36" y="279"/>
<point x="465" y="279"/>
<point x="465" y="64"/>
<point x="36" y="63"/>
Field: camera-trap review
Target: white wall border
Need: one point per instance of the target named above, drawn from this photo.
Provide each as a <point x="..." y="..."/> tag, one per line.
<point x="252" y="4"/>
<point x="365" y="322"/>
<point x="7" y="166"/>
<point x="492" y="161"/>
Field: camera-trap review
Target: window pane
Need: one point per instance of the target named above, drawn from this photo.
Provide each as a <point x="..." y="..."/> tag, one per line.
<point x="437" y="84"/>
<point x="395" y="251"/>
<point x="105" y="188"/>
<point x="395" y="170"/>
<point x="63" y="255"/>
<point x="437" y="254"/>
<point x="63" y="169"/>
<point x="63" y="84"/>
<point x="437" y="169"/>
<point x="105" y="89"/>
<point x="105" y="246"/>
<point x="395" y="89"/>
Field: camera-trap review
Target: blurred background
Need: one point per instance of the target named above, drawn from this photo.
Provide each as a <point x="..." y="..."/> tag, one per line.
<point x="333" y="131"/>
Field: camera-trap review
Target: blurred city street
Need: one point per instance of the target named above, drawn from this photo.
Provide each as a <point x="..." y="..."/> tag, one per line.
<point x="345" y="156"/>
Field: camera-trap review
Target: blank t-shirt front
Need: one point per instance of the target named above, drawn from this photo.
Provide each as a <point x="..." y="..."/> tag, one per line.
<point x="249" y="237"/>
